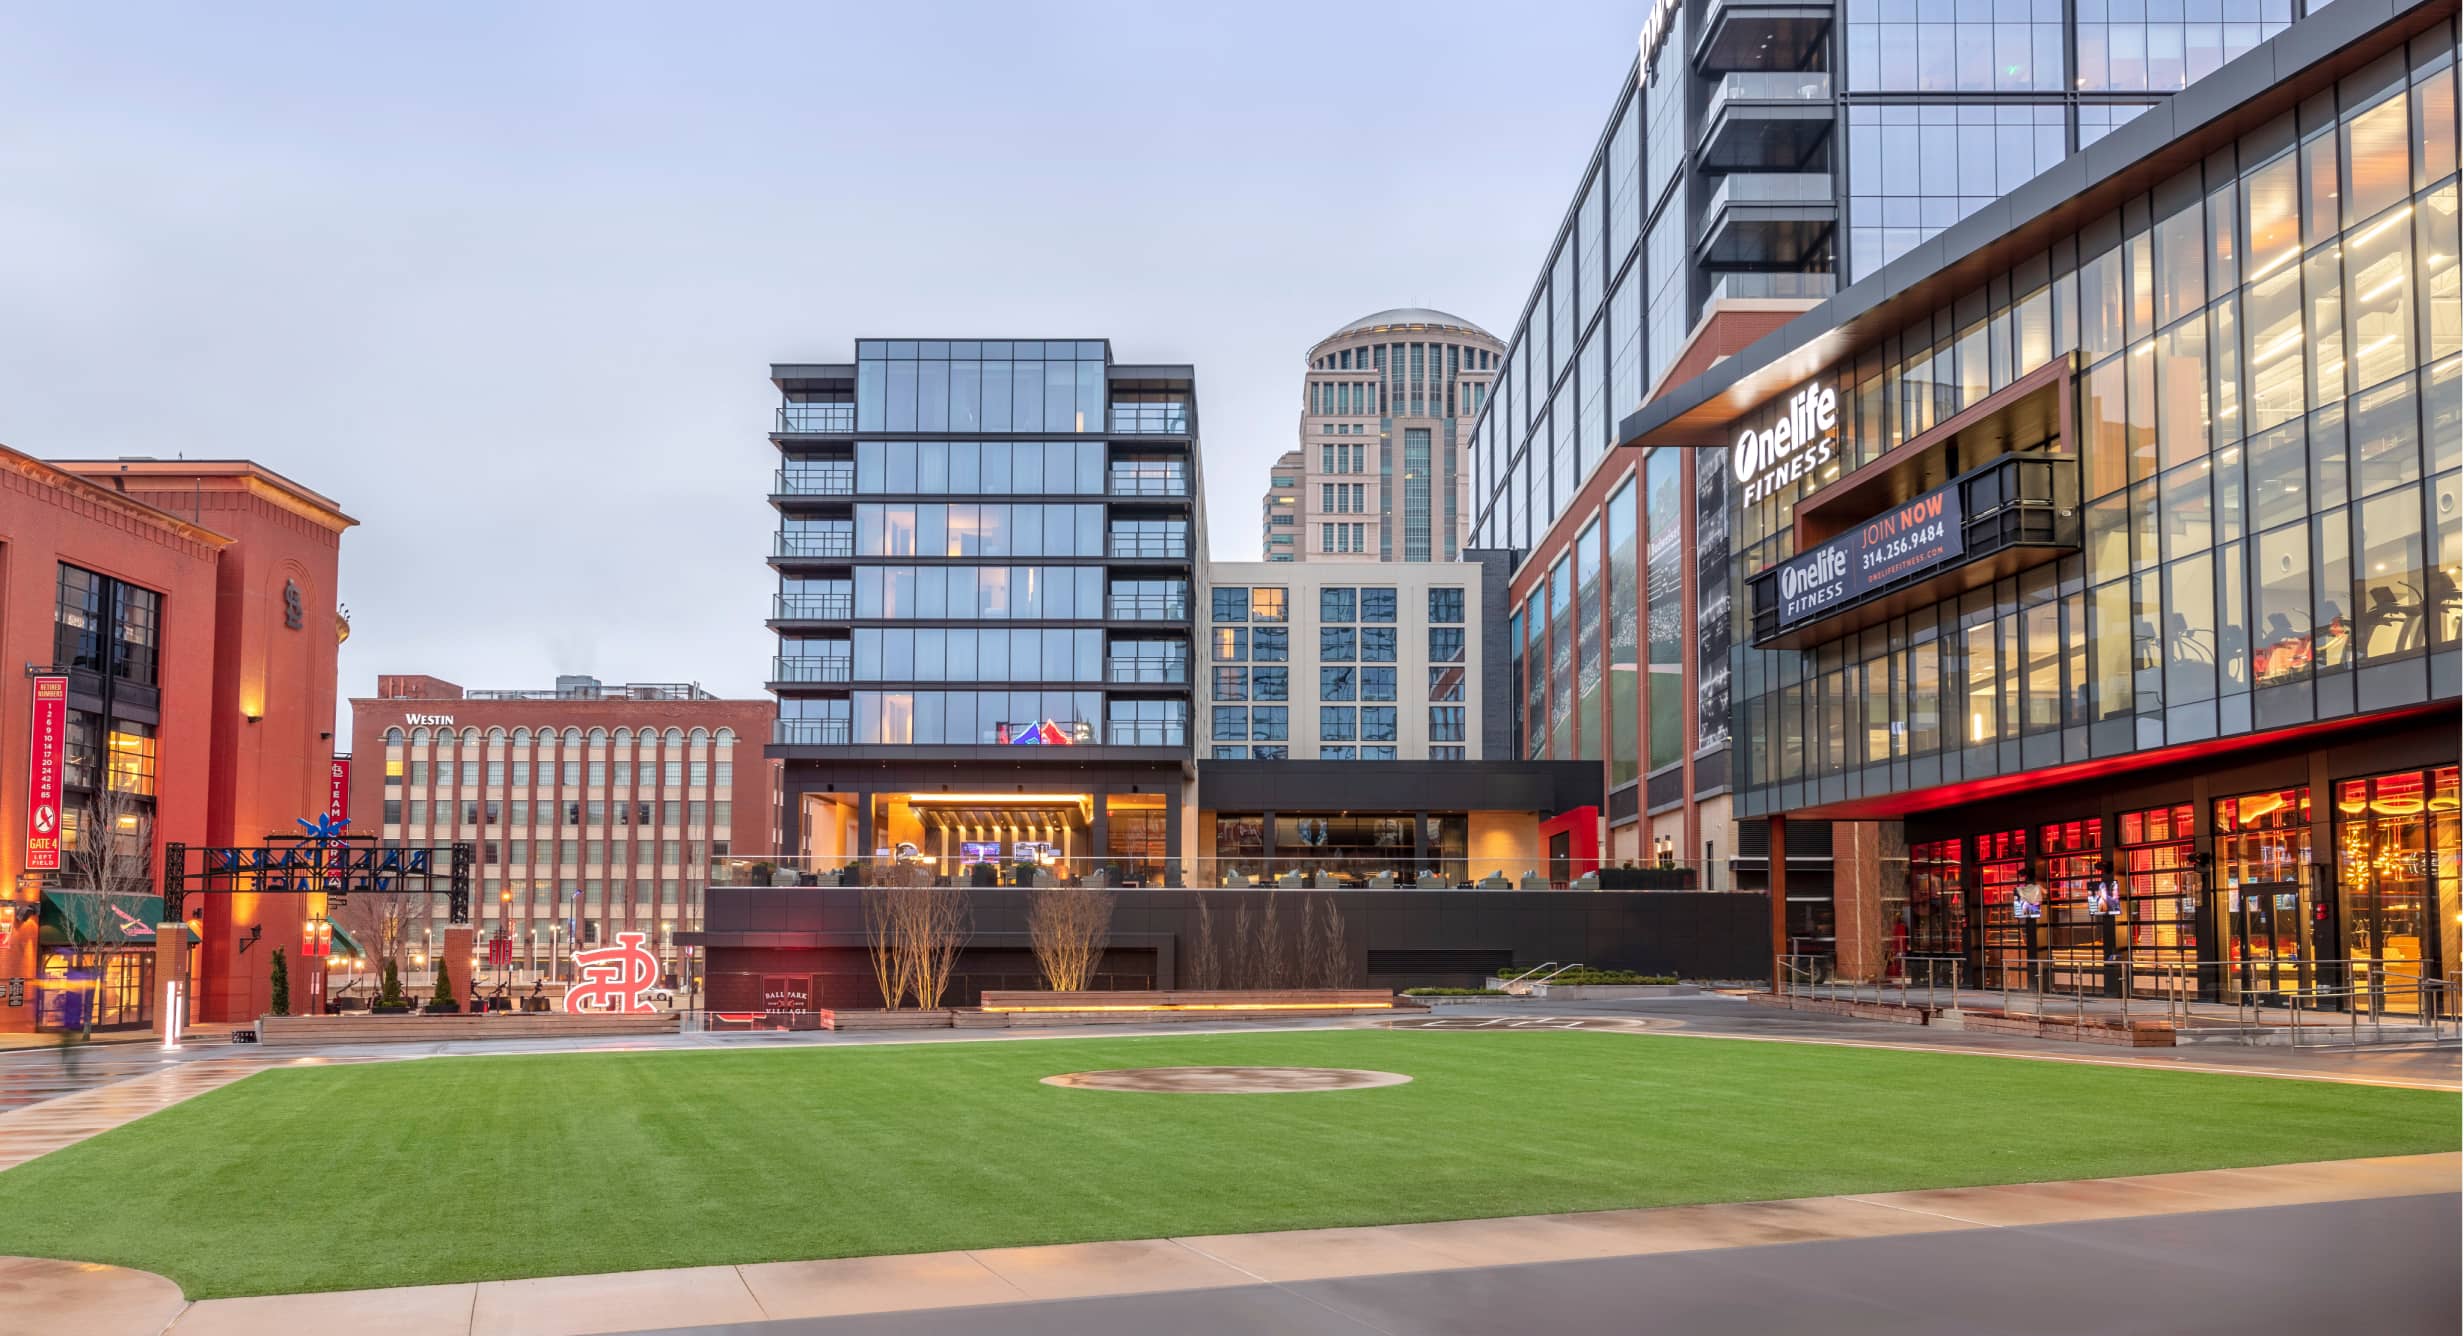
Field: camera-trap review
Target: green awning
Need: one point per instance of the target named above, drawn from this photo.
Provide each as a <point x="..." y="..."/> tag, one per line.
<point x="96" y="918"/>
<point x="345" y="944"/>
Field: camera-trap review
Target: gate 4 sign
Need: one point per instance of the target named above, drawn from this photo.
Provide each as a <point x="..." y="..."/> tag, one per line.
<point x="613" y="978"/>
<point x="43" y="780"/>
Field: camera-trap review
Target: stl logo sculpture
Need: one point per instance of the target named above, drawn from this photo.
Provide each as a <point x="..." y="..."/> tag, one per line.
<point x="613" y="978"/>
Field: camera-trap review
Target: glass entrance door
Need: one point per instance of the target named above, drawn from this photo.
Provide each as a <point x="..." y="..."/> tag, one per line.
<point x="2264" y="906"/>
<point x="2395" y="834"/>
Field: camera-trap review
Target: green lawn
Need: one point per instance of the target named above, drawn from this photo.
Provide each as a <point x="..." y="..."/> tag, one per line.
<point x="455" y="1169"/>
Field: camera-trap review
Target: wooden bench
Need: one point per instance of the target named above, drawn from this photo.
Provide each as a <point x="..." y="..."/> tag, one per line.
<point x="361" y="1029"/>
<point x="1244" y="1004"/>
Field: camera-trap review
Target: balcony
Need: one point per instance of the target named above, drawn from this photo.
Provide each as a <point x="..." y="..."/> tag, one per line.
<point x="812" y="732"/>
<point x="1777" y="285"/>
<point x="836" y="546"/>
<point x="1761" y="34"/>
<point x="1146" y="672"/>
<point x="2013" y="513"/>
<point x="1147" y="418"/>
<point x="812" y="607"/>
<point x="811" y="419"/>
<point x="811" y="481"/>
<point x="1767" y="220"/>
<point x="1146" y="608"/>
<point x="1766" y="122"/>
<point x="1148" y="546"/>
<point x="805" y="669"/>
<point x="1146" y="483"/>
<point x="1146" y="734"/>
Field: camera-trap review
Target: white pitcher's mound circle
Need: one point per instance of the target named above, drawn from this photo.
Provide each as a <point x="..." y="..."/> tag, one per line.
<point x="1228" y="1080"/>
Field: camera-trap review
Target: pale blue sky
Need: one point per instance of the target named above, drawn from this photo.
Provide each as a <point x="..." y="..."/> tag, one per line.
<point x="505" y="280"/>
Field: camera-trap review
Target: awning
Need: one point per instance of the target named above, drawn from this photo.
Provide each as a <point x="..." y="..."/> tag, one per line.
<point x="345" y="944"/>
<point x="100" y="919"/>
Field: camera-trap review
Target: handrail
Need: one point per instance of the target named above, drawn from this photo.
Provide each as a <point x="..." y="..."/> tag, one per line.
<point x="1507" y="985"/>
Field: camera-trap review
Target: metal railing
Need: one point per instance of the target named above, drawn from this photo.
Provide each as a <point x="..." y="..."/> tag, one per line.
<point x="814" y="482"/>
<point x="2306" y="1001"/>
<point x="1521" y="985"/>
<point x="1146" y="608"/>
<point x="802" y="668"/>
<point x="1136" y="671"/>
<point x="1146" y="735"/>
<point x="1147" y="545"/>
<point x="814" y="544"/>
<point x="1124" y="483"/>
<point x="813" y="607"/>
<point x="817" y="417"/>
<point x="953" y="857"/>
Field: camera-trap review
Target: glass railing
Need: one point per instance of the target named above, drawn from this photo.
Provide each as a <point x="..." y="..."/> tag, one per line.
<point x="1769" y="188"/>
<point x="990" y="864"/>
<point x="801" y="669"/>
<point x="812" y="732"/>
<point x="1146" y="608"/>
<point x="1161" y="419"/>
<point x="1759" y="86"/>
<point x="815" y="544"/>
<point x="1142" y="546"/>
<point x="817" y="417"/>
<point x="1146" y="735"/>
<point x="815" y="607"/>
<point x="1780" y="285"/>
<point x="1160" y="672"/>
<point x="814" y="482"/>
<point x="1146" y="484"/>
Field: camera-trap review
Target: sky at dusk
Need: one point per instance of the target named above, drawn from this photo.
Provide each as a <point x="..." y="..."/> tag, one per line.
<point x="505" y="280"/>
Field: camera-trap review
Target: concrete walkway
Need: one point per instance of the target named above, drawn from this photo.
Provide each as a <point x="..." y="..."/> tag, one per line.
<point x="105" y="1301"/>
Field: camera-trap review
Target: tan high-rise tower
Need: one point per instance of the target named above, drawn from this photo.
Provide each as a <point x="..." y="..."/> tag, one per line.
<point x="1386" y="412"/>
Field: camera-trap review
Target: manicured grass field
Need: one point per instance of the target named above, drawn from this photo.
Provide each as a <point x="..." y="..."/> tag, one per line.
<point x="455" y="1169"/>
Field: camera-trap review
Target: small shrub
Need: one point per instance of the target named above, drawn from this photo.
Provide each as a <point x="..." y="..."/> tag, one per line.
<point x="280" y="976"/>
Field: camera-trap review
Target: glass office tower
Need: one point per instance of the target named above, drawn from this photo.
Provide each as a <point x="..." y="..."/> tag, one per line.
<point x="985" y="556"/>
<point x="1759" y="155"/>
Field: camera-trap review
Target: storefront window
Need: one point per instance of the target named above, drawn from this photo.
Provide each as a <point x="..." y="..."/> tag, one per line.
<point x="1936" y="921"/>
<point x="2396" y="839"/>
<point x="2159" y="891"/>
<point x="2001" y="865"/>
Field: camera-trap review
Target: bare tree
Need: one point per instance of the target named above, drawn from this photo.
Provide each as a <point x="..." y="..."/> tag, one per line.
<point x="934" y="923"/>
<point x="1273" y="965"/>
<point x="1238" y="967"/>
<point x="107" y="878"/>
<point x="1068" y="926"/>
<point x="1331" y="963"/>
<point x="384" y="920"/>
<point x="881" y="943"/>
<point x="1205" y="969"/>
<point x="1305" y="956"/>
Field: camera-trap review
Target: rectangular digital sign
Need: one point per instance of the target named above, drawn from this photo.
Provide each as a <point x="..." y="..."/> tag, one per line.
<point x="1907" y="539"/>
<point x="46" y="751"/>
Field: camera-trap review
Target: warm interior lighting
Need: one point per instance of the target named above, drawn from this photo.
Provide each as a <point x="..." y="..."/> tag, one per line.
<point x="996" y="799"/>
<point x="1216" y="1006"/>
<point x="2383" y="224"/>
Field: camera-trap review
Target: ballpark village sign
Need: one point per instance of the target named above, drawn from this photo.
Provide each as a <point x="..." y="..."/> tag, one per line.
<point x="1803" y="437"/>
<point x="320" y="860"/>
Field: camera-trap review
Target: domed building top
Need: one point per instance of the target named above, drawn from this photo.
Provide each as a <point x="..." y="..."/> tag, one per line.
<point x="1408" y="315"/>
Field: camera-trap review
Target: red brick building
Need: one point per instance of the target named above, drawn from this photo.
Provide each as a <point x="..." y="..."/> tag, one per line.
<point x="190" y="605"/>
<point x="594" y="808"/>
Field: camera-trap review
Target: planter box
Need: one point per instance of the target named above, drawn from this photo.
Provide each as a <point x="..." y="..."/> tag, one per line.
<point x="1648" y="879"/>
<point x="979" y="1020"/>
<point x="381" y="1029"/>
<point x="1601" y="992"/>
<point x="937" y="1019"/>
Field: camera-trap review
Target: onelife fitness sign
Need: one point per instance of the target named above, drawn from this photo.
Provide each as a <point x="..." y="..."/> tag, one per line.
<point x="46" y="748"/>
<point x="1803" y="437"/>
<point x="1907" y="539"/>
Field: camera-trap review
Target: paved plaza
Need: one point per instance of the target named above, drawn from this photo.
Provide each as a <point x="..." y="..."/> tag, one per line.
<point x="2164" y="1252"/>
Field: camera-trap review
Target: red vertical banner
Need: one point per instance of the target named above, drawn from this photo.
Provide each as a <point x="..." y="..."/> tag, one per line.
<point x="338" y="790"/>
<point x="47" y="747"/>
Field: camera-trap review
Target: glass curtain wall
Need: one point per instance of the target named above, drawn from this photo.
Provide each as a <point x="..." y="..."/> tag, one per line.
<point x="2271" y="421"/>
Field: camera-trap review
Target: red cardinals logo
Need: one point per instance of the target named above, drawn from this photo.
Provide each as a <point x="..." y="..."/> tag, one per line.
<point x="614" y="977"/>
